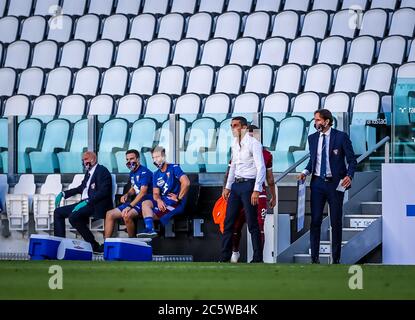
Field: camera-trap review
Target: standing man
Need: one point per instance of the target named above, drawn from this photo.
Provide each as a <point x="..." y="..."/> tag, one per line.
<point x="170" y="188"/>
<point x="244" y="184"/>
<point x="141" y="180"/>
<point x="96" y="199"/>
<point x="329" y="148"/>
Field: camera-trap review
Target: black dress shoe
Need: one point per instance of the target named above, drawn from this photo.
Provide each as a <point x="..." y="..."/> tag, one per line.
<point x="98" y="249"/>
<point x="256" y="261"/>
<point x="337" y="261"/>
<point x="315" y="261"/>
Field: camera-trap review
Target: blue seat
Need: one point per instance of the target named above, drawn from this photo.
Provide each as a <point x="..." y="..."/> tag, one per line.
<point x="3" y="145"/>
<point x="200" y="139"/>
<point x="70" y="161"/>
<point x="268" y="132"/>
<point x="143" y="135"/>
<point x="218" y="160"/>
<point x="28" y="134"/>
<point x="298" y="154"/>
<point x="55" y="139"/>
<point x="290" y="134"/>
<point x="113" y="135"/>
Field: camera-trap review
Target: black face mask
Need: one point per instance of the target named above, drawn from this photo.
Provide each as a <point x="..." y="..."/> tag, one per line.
<point x="159" y="165"/>
<point x="87" y="166"/>
<point x="320" y="127"/>
<point x="132" y="165"/>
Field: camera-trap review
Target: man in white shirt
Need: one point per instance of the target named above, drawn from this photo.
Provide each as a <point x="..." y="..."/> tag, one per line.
<point x="245" y="182"/>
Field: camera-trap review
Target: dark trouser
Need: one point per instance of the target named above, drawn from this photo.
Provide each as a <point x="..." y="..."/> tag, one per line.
<point x="240" y="197"/>
<point x="79" y="220"/>
<point x="322" y="192"/>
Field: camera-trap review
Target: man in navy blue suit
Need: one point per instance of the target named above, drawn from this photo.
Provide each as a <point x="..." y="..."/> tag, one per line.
<point x="329" y="148"/>
<point x="96" y="200"/>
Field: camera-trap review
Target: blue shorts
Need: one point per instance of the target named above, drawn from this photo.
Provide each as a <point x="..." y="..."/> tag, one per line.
<point x="170" y="204"/>
<point x="138" y="206"/>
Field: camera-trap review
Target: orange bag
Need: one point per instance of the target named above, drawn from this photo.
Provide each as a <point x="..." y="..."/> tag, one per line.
<point x="219" y="213"/>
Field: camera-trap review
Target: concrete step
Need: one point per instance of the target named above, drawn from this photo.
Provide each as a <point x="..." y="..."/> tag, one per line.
<point x="305" y="258"/>
<point x="371" y="207"/>
<point x="359" y="220"/>
<point x="325" y="247"/>
<point x="349" y="233"/>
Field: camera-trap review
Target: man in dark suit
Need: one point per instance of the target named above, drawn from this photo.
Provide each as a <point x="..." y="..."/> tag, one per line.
<point x="96" y="200"/>
<point x="329" y="148"/>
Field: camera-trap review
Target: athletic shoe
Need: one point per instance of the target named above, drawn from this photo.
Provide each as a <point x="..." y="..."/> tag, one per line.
<point x="235" y="256"/>
<point x="148" y="233"/>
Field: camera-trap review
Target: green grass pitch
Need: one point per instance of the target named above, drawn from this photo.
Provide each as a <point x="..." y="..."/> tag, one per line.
<point x="191" y="280"/>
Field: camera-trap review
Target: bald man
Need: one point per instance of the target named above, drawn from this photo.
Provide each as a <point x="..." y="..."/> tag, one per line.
<point x="96" y="200"/>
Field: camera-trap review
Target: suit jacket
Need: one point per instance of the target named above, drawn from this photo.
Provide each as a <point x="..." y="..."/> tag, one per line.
<point x="99" y="192"/>
<point x="340" y="148"/>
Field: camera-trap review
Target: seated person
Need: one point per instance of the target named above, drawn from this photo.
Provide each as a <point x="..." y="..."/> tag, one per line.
<point x="141" y="189"/>
<point x="96" y="199"/>
<point x="170" y="186"/>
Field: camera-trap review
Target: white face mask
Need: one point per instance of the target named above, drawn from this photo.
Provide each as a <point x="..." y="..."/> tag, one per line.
<point x="160" y="163"/>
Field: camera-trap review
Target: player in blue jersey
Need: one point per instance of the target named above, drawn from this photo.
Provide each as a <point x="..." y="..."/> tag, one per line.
<point x="141" y="180"/>
<point x="170" y="187"/>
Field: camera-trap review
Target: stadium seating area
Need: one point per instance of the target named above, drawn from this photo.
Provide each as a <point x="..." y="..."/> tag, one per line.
<point x="132" y="63"/>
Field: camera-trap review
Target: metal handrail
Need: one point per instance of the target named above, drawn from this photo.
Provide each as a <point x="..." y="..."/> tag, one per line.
<point x="373" y="149"/>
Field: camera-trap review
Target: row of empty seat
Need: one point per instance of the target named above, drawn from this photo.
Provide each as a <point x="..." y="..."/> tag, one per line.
<point x="203" y="80"/>
<point x="202" y="26"/>
<point x="188" y="53"/>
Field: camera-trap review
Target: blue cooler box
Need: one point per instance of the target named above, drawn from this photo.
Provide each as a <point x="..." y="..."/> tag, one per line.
<point x="127" y="249"/>
<point x="43" y="247"/>
<point x="72" y="249"/>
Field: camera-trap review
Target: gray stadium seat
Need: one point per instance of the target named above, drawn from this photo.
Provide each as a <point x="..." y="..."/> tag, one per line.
<point x="156" y="6"/>
<point x="289" y="78"/>
<point x="11" y="24"/>
<point x="74" y="7"/>
<point x="17" y="105"/>
<point x="33" y="29"/>
<point x="45" y="54"/>
<point x="73" y="109"/>
<point x="228" y="26"/>
<point x="20" y="8"/>
<point x="59" y="81"/>
<point x="343" y="25"/>
<point x="403" y="23"/>
<point x="286" y="25"/>
<point x="45" y="107"/>
<point x="302" y="51"/>
<point x="188" y="106"/>
<point x="157" y="53"/>
<point x="315" y="24"/>
<point x="243" y="52"/>
<point x="8" y="79"/>
<point x="215" y="52"/>
<point x="46" y="7"/>
<point x="337" y="102"/>
<point x="115" y="28"/>
<point x="183" y="6"/>
<point x="17" y="55"/>
<point x="101" y="54"/>
<point x="268" y="5"/>
<point x="257" y="25"/>
<point x="87" y="28"/>
<point x="408" y="4"/>
<point x="276" y="106"/>
<point x="73" y="54"/>
<point x="217" y="106"/>
<point x="319" y="78"/>
<point x="297" y="5"/>
<point x="115" y="81"/>
<point x="143" y="27"/>
<point x="229" y="79"/>
<point x="305" y="104"/>
<point x="384" y="4"/>
<point x="273" y="51"/>
<point x="101" y="7"/>
<point x="172" y="80"/>
<point x="199" y="26"/>
<point x="60" y="28"/>
<point x="2" y="7"/>
<point x="130" y="107"/>
<point x="200" y="80"/>
<point x="349" y="78"/>
<point x="243" y="6"/>
<point x="129" y="53"/>
<point x="392" y="50"/>
<point x="101" y="106"/>
<point x="212" y="6"/>
<point x="186" y="53"/>
<point x="379" y="78"/>
<point x="374" y="23"/>
<point x="411" y="55"/>
<point x="31" y="82"/>
<point x="128" y="7"/>
<point x="246" y="104"/>
<point x="406" y="70"/>
<point x="158" y="106"/>
<point x="259" y="79"/>
<point x="355" y="3"/>
<point x="143" y="81"/>
<point x="362" y="50"/>
<point x="332" y="50"/>
<point x="326" y="5"/>
<point x="87" y="81"/>
<point x="171" y="27"/>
